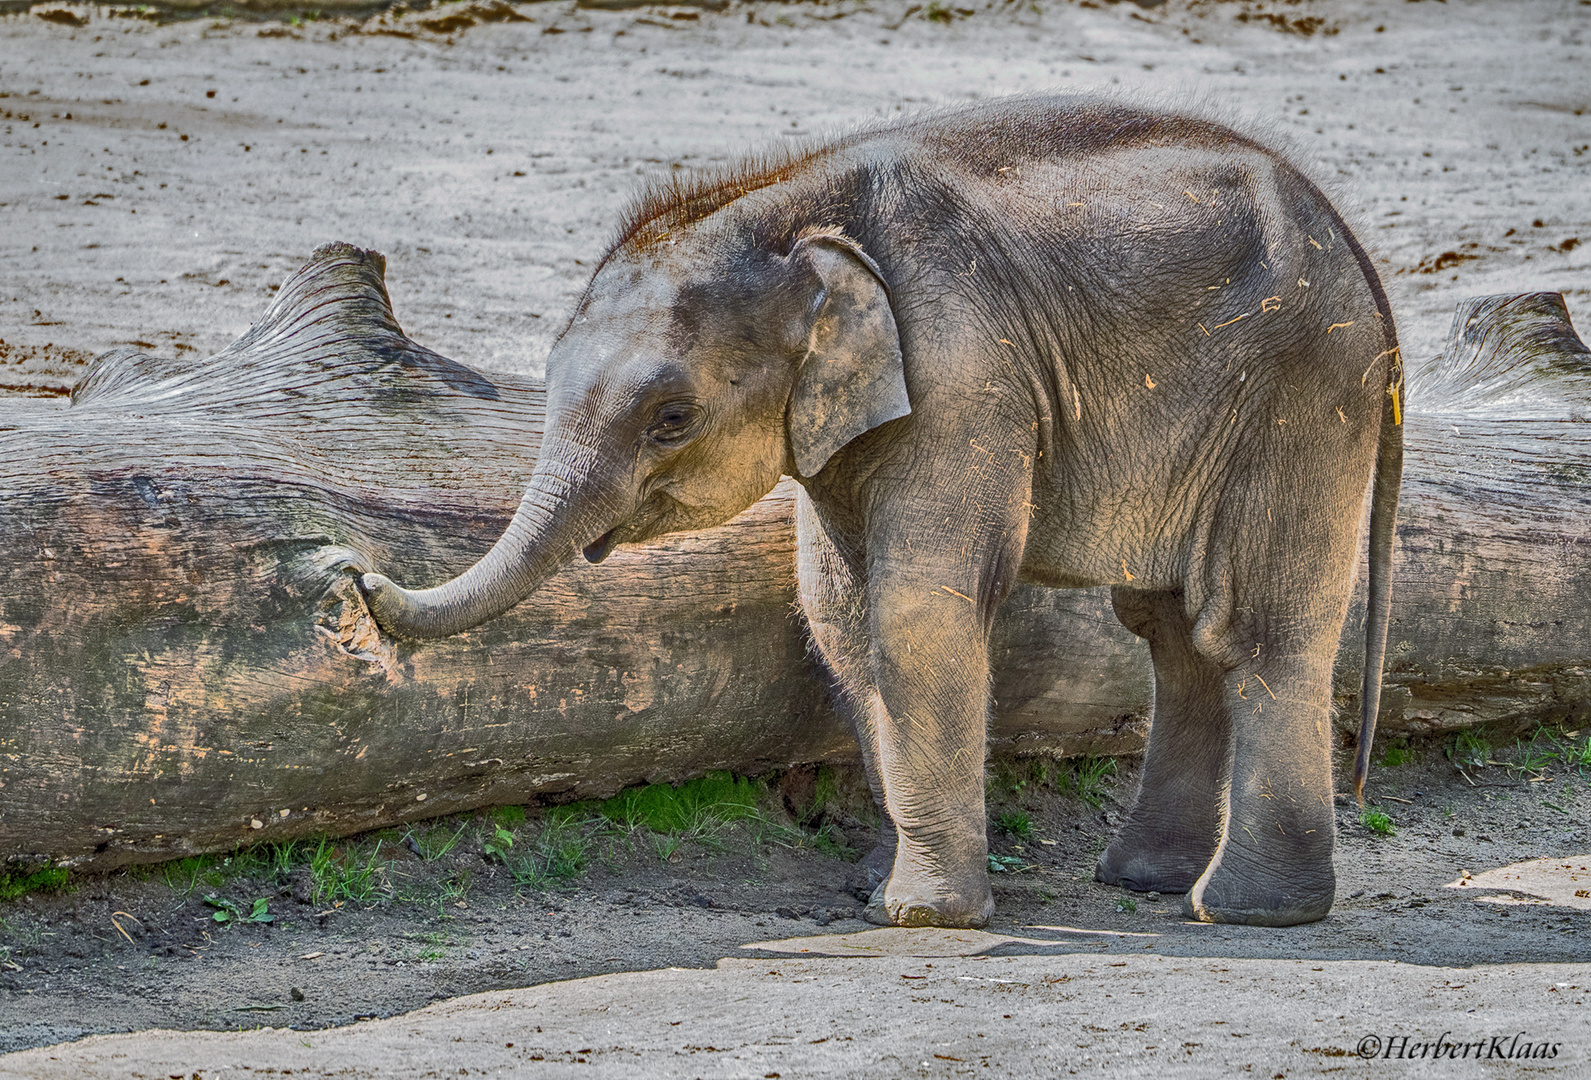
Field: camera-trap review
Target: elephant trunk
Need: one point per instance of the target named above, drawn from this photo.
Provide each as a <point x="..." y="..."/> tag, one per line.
<point x="556" y="517"/>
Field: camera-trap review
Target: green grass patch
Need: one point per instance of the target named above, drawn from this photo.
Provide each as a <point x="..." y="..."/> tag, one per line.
<point x="825" y="794"/>
<point x="1469" y="750"/>
<point x="435" y="840"/>
<point x="432" y="945"/>
<point x="340" y="873"/>
<point x="17" y="883"/>
<point x="1015" y="823"/>
<point x="560" y="850"/>
<point x="1377" y="822"/>
<point x="1007" y="779"/>
<point x="183" y="875"/>
<point x="701" y="805"/>
<point x="539" y="850"/>
<point x="1397" y="754"/>
<point x="1552" y="748"/>
<point x="1086" y="779"/>
<point x="507" y="817"/>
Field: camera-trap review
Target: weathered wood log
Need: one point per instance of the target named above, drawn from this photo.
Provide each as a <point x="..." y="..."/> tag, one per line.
<point x="1491" y="617"/>
<point x="185" y="663"/>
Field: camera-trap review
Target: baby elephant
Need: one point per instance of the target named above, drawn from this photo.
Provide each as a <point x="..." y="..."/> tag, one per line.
<point x="1050" y="339"/>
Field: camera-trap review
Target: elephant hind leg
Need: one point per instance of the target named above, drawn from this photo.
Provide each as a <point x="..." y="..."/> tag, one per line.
<point x="1272" y="865"/>
<point x="1170" y="835"/>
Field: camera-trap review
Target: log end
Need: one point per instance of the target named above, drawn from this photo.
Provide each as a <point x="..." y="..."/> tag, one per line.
<point x="1510" y="349"/>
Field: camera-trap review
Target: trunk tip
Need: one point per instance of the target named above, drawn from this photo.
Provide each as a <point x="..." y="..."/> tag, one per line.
<point x="379" y="592"/>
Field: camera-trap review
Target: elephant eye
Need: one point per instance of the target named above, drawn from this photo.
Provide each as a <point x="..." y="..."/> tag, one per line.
<point x="674" y="423"/>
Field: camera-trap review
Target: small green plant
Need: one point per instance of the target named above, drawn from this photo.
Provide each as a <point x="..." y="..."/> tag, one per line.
<point x="497" y="848"/>
<point x="1547" y="747"/>
<point x="938" y="12"/>
<point x="230" y="914"/>
<point x="828" y="840"/>
<point x="1086" y="779"/>
<point x="284" y="858"/>
<point x="15" y="883"/>
<point x="1396" y="754"/>
<point x="451" y="893"/>
<point x="1577" y="756"/>
<point x="1007" y="778"/>
<point x="435" y="945"/>
<point x="24" y="937"/>
<point x="1008" y="864"/>
<point x="667" y="845"/>
<point x="826" y="790"/>
<point x="1469" y="750"/>
<point x="1014" y="822"/>
<point x="825" y="794"/>
<point x="1377" y="822"/>
<point x="559" y="851"/>
<point x="1126" y="905"/>
<point x="436" y="842"/>
<point x="338" y="875"/>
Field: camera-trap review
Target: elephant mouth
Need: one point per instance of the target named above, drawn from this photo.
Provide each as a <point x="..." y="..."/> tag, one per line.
<point x="601" y="547"/>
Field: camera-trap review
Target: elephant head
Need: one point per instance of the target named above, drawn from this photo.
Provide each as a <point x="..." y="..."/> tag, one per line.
<point x="695" y="371"/>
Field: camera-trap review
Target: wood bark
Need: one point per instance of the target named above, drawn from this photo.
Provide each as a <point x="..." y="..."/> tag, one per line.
<point x="186" y="664"/>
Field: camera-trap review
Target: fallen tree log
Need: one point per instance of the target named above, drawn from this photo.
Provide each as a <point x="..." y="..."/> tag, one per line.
<point x="186" y="664"/>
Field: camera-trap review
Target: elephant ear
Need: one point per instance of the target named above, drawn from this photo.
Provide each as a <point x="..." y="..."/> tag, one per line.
<point x="853" y="377"/>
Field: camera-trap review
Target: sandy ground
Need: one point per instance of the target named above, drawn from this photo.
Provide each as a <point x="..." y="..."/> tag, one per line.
<point x="489" y="166"/>
<point x="746" y="963"/>
<point x="158" y="181"/>
<point x="910" y="1010"/>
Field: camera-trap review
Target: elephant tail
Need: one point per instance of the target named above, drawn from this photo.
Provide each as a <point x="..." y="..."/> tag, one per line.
<point x="1383" y="524"/>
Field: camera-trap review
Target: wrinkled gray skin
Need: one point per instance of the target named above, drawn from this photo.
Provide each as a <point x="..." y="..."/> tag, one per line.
<point x="1038" y="339"/>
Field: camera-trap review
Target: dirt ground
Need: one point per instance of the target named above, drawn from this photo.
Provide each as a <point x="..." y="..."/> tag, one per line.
<point x="158" y="181"/>
<point x="1407" y="949"/>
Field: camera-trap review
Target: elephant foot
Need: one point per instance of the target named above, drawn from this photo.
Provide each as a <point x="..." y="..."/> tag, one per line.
<point x="949" y="913"/>
<point x="1223" y="897"/>
<point x="875" y="912"/>
<point x="873" y="869"/>
<point x="1140" y="867"/>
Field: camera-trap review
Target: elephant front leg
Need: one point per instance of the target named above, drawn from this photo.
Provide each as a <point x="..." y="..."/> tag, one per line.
<point x="1170" y="835"/>
<point x="833" y="595"/>
<point x="931" y="657"/>
<point x="1272" y="864"/>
